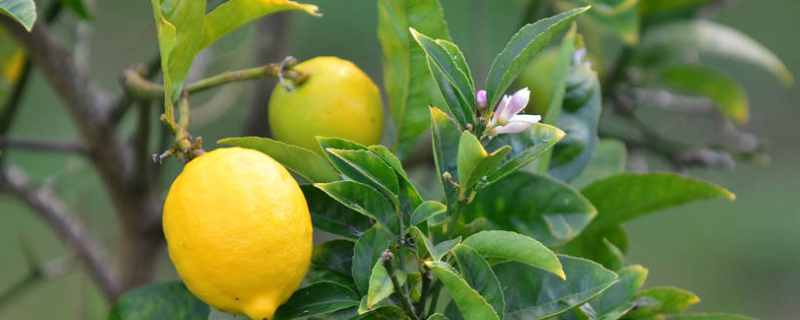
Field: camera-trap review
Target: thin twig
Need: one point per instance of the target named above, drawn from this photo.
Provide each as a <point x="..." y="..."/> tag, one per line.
<point x="125" y="100"/>
<point x="141" y="88"/>
<point x="67" y="146"/>
<point x="386" y="259"/>
<point x="58" y="217"/>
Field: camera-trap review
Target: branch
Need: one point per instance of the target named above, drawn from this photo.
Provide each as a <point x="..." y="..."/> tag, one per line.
<point x="67" y="146"/>
<point x="56" y="214"/>
<point x="141" y="88"/>
<point x="125" y="100"/>
<point x="386" y="259"/>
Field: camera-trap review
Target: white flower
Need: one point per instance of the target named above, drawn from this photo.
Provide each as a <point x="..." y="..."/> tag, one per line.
<point x="506" y="119"/>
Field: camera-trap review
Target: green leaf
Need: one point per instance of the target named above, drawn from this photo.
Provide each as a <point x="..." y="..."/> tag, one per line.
<point x="335" y="255"/>
<point x="437" y="316"/>
<point x="407" y="79"/>
<point x="711" y="316"/>
<point x="445" y="135"/>
<point x="316" y="275"/>
<point x="472" y="305"/>
<point x="380" y="285"/>
<point x="427" y="210"/>
<point x="712" y="38"/>
<point x="479" y="275"/>
<point x="446" y="61"/>
<point x="670" y="9"/>
<point x="408" y="196"/>
<point x="526" y="146"/>
<point x="78" y="7"/>
<point x="532" y="294"/>
<point x="581" y="112"/>
<point x="303" y="162"/>
<point x="368" y="250"/>
<point x="625" y="196"/>
<point x="616" y="301"/>
<point x="474" y="164"/>
<point x="662" y="300"/>
<point x="162" y="300"/>
<point x="535" y="205"/>
<point x="514" y="246"/>
<point x="438" y="251"/>
<point x="188" y="19"/>
<point x="727" y="94"/>
<point x="333" y="217"/>
<point x="521" y="49"/>
<point x="370" y="166"/>
<point x="554" y="85"/>
<point x="364" y="200"/>
<point x="234" y="13"/>
<point x="609" y="255"/>
<point x="22" y="11"/>
<point x="318" y="298"/>
<point x="609" y="159"/>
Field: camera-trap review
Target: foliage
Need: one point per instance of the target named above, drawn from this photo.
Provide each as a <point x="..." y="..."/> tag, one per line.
<point x="527" y="223"/>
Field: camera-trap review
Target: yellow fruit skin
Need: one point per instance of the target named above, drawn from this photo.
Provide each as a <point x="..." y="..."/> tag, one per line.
<point x="238" y="231"/>
<point x="337" y="100"/>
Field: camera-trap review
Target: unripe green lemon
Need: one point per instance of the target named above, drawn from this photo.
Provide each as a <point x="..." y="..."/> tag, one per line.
<point x="336" y="100"/>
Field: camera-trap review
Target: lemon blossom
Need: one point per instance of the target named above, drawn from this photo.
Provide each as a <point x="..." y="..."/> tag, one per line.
<point x="506" y="118"/>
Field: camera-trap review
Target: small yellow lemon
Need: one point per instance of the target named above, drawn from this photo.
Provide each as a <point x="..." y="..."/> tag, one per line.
<point x="238" y="231"/>
<point x="337" y="100"/>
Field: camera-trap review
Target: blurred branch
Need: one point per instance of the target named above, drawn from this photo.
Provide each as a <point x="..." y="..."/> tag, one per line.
<point x="68" y="146"/>
<point x="272" y="43"/>
<point x="673" y="102"/>
<point x="56" y="214"/>
<point x="141" y="88"/>
<point x="122" y="103"/>
<point x="37" y="273"/>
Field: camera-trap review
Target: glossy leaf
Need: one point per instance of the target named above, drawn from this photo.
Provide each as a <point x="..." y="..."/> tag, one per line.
<point x="581" y="113"/>
<point x="369" y="165"/>
<point x="716" y="39"/>
<point x="333" y="217"/>
<point x="470" y="154"/>
<point x="408" y="195"/>
<point x="22" y="11"/>
<point x="619" y="17"/>
<point x="472" y="305"/>
<point x="161" y="300"/>
<point x="609" y="159"/>
<point x="318" y="298"/>
<point x="445" y="135"/>
<point x="407" y="79"/>
<point x="234" y="13"/>
<point x="188" y="19"/>
<point x="517" y="247"/>
<point x="436" y="252"/>
<point x="305" y="163"/>
<point x="537" y="206"/>
<point x="367" y="252"/>
<point x="479" y="275"/>
<point x="662" y="300"/>
<point x="380" y="285"/>
<point x="617" y="300"/>
<point x="521" y="49"/>
<point x="553" y="83"/>
<point x="727" y="94"/>
<point x="390" y="158"/>
<point x="533" y="294"/>
<point x="427" y="210"/>
<point x="363" y="199"/>
<point x="335" y="255"/>
<point x="625" y="196"/>
<point x="609" y="255"/>
<point x="526" y="146"/>
<point x="445" y="61"/>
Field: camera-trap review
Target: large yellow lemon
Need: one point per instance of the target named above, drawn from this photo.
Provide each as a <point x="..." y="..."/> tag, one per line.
<point x="238" y="231"/>
<point x="337" y="100"/>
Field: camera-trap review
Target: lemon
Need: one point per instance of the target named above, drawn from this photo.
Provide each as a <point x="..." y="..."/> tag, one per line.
<point x="238" y="231"/>
<point x="337" y="100"/>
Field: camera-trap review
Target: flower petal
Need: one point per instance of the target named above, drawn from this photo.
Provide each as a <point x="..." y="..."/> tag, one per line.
<point x="527" y="118"/>
<point x="497" y="116"/>
<point x="513" y="127"/>
<point x="518" y="103"/>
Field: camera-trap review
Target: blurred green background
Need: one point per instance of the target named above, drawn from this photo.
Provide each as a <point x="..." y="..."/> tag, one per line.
<point x="741" y="257"/>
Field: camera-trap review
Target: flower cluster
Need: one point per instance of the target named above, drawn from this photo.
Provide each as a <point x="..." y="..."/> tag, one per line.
<point x="506" y="117"/>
